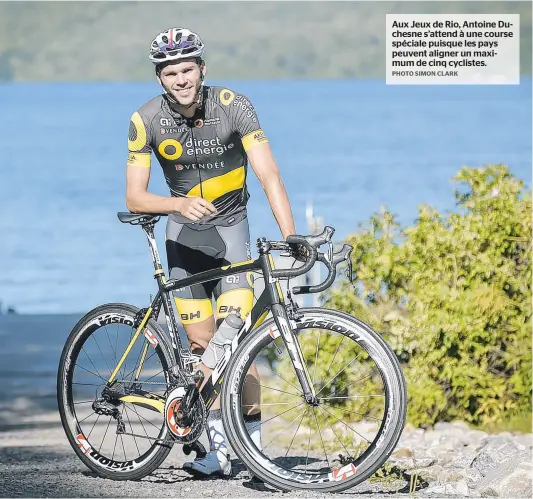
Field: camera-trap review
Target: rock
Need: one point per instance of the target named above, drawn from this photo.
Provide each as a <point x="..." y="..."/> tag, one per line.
<point x="500" y="450"/>
<point x="431" y="438"/>
<point x="473" y="476"/>
<point x="447" y="445"/>
<point x="462" y="461"/>
<point x="483" y="463"/>
<point x="423" y="462"/>
<point x="524" y="440"/>
<point x="418" y="432"/>
<point x="505" y="435"/>
<point x="457" y="460"/>
<point x="456" y="488"/>
<point x="447" y="427"/>
<point x="409" y="464"/>
<point x="442" y="456"/>
<point x="453" y="475"/>
<point x="460" y="424"/>
<point x="408" y="428"/>
<point x="476" y="437"/>
<point x="402" y="452"/>
<point x="434" y="473"/>
<point x="512" y="478"/>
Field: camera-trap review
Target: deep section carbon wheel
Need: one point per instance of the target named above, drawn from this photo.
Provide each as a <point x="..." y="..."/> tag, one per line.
<point x="113" y="433"/>
<point x="344" y="437"/>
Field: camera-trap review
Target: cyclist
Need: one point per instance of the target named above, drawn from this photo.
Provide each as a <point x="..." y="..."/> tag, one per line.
<point x="203" y="137"/>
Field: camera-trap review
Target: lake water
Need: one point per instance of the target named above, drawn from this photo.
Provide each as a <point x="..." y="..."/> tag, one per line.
<point x="347" y="146"/>
<point x="350" y="146"/>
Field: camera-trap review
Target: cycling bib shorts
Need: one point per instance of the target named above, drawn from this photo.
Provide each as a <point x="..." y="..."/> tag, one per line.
<point x="192" y="249"/>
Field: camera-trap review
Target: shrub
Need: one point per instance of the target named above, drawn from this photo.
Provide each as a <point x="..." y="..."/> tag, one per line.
<point x="452" y="296"/>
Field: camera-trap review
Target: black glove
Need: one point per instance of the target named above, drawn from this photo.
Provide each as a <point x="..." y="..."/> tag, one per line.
<point x="299" y="252"/>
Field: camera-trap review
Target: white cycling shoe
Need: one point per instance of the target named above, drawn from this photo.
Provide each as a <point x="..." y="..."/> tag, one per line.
<point x="209" y="466"/>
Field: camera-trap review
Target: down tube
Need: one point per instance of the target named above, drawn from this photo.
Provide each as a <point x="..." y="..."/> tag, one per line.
<point x="257" y="315"/>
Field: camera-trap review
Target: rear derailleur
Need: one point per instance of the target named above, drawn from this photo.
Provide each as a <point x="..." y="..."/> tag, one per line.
<point x="103" y="407"/>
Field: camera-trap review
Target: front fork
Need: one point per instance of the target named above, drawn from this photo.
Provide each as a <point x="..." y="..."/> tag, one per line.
<point x="293" y="347"/>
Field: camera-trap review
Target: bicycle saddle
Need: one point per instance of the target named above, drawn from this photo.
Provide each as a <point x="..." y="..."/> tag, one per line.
<point x="139" y="218"/>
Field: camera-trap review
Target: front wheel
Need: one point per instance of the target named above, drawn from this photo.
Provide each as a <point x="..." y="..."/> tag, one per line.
<point x="343" y="439"/>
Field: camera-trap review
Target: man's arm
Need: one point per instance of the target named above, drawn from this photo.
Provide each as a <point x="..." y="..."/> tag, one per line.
<point x="266" y="169"/>
<point x="139" y="200"/>
<point x="255" y="143"/>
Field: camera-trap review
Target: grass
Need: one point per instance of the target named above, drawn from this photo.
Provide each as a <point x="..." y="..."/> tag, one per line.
<point x="520" y="422"/>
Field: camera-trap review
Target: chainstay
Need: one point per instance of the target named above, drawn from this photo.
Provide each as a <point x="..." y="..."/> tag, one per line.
<point x="158" y="440"/>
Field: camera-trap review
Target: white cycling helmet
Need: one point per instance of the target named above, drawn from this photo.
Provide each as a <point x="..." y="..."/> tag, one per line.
<point x="174" y="44"/>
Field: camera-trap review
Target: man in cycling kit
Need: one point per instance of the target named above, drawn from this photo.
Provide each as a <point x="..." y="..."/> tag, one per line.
<point x="203" y="137"/>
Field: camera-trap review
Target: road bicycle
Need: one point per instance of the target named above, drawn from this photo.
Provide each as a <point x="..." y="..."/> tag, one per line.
<point x="128" y="390"/>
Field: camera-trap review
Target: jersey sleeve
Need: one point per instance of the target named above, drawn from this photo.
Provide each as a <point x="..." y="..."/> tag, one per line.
<point x="245" y="120"/>
<point x="139" y="149"/>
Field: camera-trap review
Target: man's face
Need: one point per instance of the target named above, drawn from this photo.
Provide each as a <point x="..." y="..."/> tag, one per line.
<point x="182" y="80"/>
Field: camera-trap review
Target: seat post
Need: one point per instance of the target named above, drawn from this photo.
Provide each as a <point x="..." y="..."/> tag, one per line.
<point x="149" y="229"/>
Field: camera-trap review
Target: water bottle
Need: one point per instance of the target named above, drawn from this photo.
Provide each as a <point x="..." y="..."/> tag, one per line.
<point x="221" y="340"/>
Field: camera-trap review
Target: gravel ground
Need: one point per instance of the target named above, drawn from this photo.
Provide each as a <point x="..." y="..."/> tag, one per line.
<point x="451" y="461"/>
<point x="37" y="461"/>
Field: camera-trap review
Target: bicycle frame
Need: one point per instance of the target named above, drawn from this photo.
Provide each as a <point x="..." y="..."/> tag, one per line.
<point x="271" y="299"/>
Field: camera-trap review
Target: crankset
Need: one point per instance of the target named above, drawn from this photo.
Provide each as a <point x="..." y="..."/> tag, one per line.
<point x="183" y="409"/>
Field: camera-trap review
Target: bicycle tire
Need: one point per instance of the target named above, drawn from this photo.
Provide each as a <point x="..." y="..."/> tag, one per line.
<point x="86" y="326"/>
<point x="390" y="429"/>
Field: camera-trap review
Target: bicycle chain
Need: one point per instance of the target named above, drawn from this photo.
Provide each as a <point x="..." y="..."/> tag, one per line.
<point x="143" y="382"/>
<point x="158" y="440"/>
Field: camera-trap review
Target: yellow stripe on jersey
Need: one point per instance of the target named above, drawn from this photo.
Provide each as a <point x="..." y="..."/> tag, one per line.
<point x="253" y="139"/>
<point x="215" y="187"/>
<point x="192" y="310"/>
<point x="142" y="159"/>
<point x="235" y="300"/>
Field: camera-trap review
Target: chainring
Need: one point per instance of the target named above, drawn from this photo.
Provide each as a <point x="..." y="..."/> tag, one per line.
<point x="192" y="432"/>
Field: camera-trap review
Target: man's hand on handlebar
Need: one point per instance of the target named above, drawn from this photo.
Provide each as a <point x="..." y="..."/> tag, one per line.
<point x="299" y="252"/>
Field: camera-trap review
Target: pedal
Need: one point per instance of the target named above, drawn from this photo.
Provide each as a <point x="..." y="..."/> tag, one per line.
<point x="195" y="447"/>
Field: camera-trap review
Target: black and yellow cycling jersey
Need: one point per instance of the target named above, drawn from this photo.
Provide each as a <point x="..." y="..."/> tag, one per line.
<point x="201" y="156"/>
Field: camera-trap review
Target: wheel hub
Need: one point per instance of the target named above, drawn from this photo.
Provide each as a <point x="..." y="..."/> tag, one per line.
<point x="312" y="400"/>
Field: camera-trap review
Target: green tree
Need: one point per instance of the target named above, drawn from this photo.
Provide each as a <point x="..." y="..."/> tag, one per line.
<point x="452" y="296"/>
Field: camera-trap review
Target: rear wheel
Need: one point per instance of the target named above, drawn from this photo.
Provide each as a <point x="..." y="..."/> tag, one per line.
<point x="92" y="415"/>
<point x="352" y="430"/>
